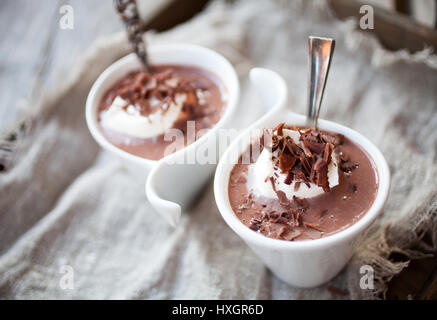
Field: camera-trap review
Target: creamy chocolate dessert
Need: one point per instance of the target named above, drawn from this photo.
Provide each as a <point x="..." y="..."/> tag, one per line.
<point x="302" y="184"/>
<point x="139" y="109"/>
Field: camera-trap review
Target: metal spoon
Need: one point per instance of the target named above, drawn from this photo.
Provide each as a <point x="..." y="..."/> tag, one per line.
<point x="320" y="54"/>
<point x="128" y="11"/>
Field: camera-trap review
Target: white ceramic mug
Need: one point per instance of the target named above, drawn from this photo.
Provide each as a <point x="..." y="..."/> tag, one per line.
<point x="299" y="263"/>
<point x="168" y="186"/>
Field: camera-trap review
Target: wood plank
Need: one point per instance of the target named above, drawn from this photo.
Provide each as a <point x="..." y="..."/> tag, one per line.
<point x="403" y="6"/>
<point x="22" y="47"/>
<point x="417" y="281"/>
<point x="175" y="13"/>
<point x="395" y="31"/>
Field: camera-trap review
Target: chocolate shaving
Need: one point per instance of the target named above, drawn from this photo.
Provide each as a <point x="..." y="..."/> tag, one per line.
<point x="313" y="226"/>
<point x="299" y="174"/>
<point x="289" y="179"/>
<point x="301" y="203"/>
<point x="272" y="181"/>
<point x="163" y="75"/>
<point x="296" y="185"/>
<point x="191" y="98"/>
<point x="255" y="226"/>
<point x="281" y="220"/>
<point x="333" y="138"/>
<point x="290" y="235"/>
<point x="139" y="88"/>
<point x="282" y="230"/>
<point x="292" y="147"/>
<point x="286" y="161"/>
<point x="306" y="131"/>
<point x="314" y="146"/>
<point x="275" y="143"/>
<point x="321" y="169"/>
<point x="273" y="215"/>
<point x="307" y="151"/>
<point x="283" y="200"/>
<point x="305" y="163"/>
<point x="328" y="152"/>
<point x="279" y="128"/>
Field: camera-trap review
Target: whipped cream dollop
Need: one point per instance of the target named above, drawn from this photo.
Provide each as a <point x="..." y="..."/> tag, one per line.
<point x="265" y="177"/>
<point x="125" y="118"/>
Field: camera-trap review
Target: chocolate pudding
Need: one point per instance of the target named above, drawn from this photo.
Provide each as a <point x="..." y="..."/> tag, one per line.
<point x="138" y="111"/>
<point x="303" y="184"/>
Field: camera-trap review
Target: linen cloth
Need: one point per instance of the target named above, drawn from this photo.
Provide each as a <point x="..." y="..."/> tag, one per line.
<point x="65" y="202"/>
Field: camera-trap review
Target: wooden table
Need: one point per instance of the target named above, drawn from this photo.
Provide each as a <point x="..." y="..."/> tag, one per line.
<point x="35" y="52"/>
<point x="34" y="49"/>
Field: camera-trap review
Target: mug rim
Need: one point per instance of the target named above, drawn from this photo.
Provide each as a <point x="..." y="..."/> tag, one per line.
<point x="381" y="168"/>
<point x="119" y="66"/>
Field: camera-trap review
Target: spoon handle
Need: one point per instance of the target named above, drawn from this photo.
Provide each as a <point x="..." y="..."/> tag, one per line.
<point x="320" y="52"/>
<point x="128" y="11"/>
